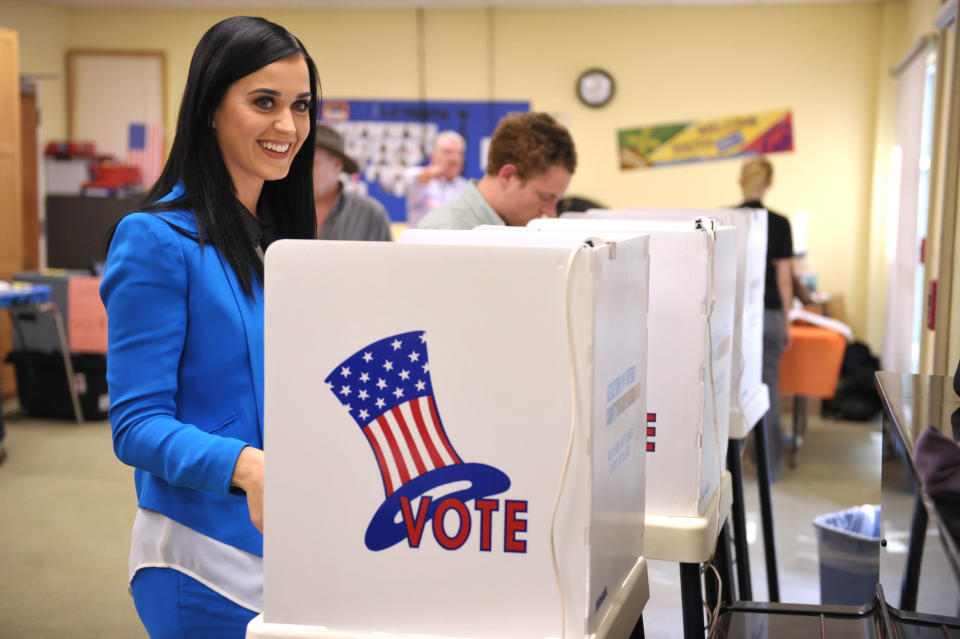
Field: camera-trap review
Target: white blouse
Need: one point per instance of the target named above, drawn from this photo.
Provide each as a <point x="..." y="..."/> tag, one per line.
<point x="160" y="542"/>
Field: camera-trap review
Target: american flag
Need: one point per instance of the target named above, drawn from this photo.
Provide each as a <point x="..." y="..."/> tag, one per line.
<point x="145" y="151"/>
<point x="386" y="389"/>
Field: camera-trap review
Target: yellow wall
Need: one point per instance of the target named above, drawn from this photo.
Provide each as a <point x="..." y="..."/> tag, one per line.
<point x="43" y="34"/>
<point x="675" y="64"/>
<point x="823" y="61"/>
<point x="368" y="53"/>
<point x="919" y="17"/>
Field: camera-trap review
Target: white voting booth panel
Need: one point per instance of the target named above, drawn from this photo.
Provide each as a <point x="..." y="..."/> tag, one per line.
<point x="688" y="364"/>
<point x="749" y="397"/>
<point x="420" y="427"/>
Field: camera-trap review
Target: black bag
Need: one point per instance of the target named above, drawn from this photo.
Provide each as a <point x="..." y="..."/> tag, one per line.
<point x="956" y="380"/>
<point x="856" y="398"/>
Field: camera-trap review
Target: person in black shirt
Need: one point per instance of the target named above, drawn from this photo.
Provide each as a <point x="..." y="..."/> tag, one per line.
<point x="956" y="380"/>
<point x="756" y="176"/>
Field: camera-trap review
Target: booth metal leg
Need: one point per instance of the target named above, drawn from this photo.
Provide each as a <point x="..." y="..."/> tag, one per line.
<point x="799" y="427"/>
<point x="710" y="587"/>
<point x="735" y="466"/>
<point x="50" y="307"/>
<point x="725" y="566"/>
<point x="766" y="511"/>
<point x="3" y="432"/>
<point x="638" y="629"/>
<point x="721" y="561"/>
<point x="911" y="574"/>
<point x="691" y="600"/>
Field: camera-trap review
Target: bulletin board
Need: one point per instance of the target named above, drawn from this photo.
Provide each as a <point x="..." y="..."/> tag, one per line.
<point x="386" y="137"/>
<point x="107" y="90"/>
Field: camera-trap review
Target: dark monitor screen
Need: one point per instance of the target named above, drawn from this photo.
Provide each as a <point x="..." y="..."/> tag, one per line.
<point x="78" y="227"/>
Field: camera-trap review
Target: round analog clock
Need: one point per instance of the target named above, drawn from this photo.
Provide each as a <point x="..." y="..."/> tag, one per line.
<point x="595" y="87"/>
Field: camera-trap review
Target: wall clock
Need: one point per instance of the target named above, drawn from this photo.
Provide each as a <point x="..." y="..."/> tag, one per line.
<point x="595" y="87"/>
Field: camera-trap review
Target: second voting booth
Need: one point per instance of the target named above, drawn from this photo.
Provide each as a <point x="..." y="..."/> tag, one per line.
<point x="692" y="283"/>
<point x="456" y="426"/>
<point x="749" y="398"/>
<point x="693" y="270"/>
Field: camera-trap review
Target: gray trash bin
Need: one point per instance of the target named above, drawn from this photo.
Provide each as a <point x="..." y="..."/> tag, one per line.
<point x="848" y="543"/>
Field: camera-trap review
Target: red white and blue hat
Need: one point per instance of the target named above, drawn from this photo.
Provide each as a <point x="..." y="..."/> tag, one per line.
<point x="386" y="389"/>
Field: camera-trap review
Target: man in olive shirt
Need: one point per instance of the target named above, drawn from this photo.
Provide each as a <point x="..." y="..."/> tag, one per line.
<point x="341" y="215"/>
<point x="529" y="166"/>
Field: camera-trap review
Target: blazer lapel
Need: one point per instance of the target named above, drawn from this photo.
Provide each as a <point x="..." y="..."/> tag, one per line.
<point x="251" y="313"/>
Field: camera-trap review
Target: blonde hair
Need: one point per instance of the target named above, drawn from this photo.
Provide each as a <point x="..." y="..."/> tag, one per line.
<point x="755" y="176"/>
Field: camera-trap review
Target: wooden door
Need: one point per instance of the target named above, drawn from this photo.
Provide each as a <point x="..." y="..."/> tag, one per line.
<point x="11" y="202"/>
<point x="29" y="166"/>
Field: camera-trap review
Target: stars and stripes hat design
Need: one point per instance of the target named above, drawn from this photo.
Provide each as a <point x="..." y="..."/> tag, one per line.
<point x="386" y="389"/>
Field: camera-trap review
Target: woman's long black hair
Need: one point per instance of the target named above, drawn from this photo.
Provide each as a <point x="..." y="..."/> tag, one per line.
<point x="228" y="51"/>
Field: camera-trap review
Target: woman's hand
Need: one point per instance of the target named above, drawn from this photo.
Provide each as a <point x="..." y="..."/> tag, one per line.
<point x="248" y="476"/>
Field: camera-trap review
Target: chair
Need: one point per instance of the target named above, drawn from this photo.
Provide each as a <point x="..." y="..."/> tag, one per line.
<point x="810" y="367"/>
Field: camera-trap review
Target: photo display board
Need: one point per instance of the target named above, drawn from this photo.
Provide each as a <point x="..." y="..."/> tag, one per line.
<point x="386" y="137"/>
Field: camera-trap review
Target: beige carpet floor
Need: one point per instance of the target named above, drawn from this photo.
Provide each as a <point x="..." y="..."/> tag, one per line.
<point x="66" y="507"/>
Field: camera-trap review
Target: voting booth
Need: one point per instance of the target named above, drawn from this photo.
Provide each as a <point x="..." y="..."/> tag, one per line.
<point x="455" y="426"/>
<point x="749" y="397"/>
<point x="690" y="323"/>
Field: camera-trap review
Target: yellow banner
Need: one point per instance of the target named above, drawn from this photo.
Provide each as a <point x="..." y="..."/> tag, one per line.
<point x="713" y="139"/>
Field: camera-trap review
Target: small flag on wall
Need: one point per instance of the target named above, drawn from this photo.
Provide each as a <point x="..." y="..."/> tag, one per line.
<point x="145" y="151"/>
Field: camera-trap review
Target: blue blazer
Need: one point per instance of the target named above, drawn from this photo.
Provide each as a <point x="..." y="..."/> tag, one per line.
<point x="185" y="373"/>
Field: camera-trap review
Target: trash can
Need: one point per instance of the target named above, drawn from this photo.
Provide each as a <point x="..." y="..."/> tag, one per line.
<point x="848" y="543"/>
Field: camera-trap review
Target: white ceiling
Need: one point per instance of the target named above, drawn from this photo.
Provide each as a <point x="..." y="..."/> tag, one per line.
<point x="200" y="4"/>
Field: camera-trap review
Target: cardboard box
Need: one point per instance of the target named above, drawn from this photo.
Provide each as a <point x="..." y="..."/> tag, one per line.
<point x="835" y="307"/>
<point x="749" y="397"/>
<point x="689" y="357"/>
<point x="481" y="338"/>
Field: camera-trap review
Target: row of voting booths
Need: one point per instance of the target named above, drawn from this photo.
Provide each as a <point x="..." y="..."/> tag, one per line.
<point x="487" y="433"/>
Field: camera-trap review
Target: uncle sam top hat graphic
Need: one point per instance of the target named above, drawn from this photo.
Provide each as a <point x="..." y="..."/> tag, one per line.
<point x="386" y="389"/>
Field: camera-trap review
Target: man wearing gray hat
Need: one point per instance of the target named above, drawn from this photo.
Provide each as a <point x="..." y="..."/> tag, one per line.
<point x="342" y="215"/>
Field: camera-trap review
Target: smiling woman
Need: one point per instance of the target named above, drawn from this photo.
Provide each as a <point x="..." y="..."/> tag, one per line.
<point x="183" y="288"/>
<point x="263" y="120"/>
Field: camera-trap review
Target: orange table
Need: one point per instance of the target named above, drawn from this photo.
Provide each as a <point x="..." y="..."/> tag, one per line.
<point x="810" y="367"/>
